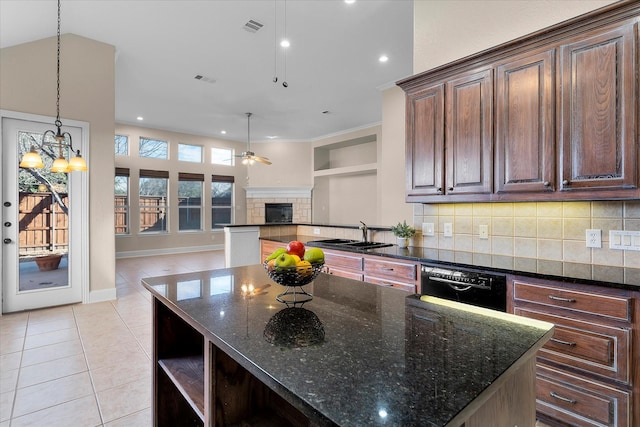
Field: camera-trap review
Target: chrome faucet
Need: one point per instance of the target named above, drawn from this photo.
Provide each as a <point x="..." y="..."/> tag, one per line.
<point x="365" y="230"/>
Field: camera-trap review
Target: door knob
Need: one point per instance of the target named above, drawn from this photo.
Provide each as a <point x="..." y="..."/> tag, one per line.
<point x="7" y="241"/>
<point x="7" y="224"/>
<point x="7" y="204"/>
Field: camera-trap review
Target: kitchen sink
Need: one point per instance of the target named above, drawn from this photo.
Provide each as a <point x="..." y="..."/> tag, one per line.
<point x="346" y="243"/>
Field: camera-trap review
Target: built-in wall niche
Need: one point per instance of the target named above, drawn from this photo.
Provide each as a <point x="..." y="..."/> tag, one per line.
<point x="349" y="157"/>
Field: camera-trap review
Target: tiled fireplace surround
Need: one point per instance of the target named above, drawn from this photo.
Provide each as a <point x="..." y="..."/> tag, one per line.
<point x="299" y="197"/>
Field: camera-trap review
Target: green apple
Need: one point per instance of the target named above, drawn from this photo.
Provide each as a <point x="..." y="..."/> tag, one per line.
<point x="283" y="261"/>
<point x="314" y="255"/>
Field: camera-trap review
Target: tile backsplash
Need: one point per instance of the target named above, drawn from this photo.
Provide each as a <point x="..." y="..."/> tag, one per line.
<point x="540" y="237"/>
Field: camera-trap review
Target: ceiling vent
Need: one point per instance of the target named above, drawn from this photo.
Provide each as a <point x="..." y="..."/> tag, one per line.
<point x="253" y="26"/>
<point x="204" y="78"/>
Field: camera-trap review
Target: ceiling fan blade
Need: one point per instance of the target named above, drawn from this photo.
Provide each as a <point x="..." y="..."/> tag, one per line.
<point x="262" y="160"/>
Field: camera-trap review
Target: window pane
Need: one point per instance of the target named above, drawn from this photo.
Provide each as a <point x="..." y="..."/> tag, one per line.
<point x="190" y="153"/>
<point x="122" y="145"/>
<point x="189" y="205"/>
<point x="153" y="205"/>
<point x="122" y="205"/>
<point x="153" y="148"/>
<point x="222" y="156"/>
<point x="221" y="204"/>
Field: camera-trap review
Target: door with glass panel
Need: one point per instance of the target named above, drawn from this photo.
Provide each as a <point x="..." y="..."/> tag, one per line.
<point x="38" y="217"/>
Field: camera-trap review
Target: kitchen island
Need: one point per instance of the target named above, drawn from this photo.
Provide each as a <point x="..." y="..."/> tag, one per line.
<point x="226" y="353"/>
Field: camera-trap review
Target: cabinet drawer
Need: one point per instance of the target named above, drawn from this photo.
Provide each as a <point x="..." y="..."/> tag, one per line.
<point x="409" y="287"/>
<point x="346" y="274"/>
<point x="599" y="349"/>
<point x="388" y="269"/>
<point x="613" y="307"/>
<point x="577" y="401"/>
<point x="333" y="259"/>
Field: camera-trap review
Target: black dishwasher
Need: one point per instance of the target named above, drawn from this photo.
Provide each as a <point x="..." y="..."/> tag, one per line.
<point x="469" y="286"/>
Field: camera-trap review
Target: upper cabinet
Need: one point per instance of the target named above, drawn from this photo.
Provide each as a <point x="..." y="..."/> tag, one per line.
<point x="550" y="116"/>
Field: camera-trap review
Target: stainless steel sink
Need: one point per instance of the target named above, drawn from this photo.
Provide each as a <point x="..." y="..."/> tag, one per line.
<point x="346" y="243"/>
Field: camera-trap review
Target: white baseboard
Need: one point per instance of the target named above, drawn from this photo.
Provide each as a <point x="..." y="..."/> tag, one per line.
<point x="168" y="251"/>
<point x="102" y="295"/>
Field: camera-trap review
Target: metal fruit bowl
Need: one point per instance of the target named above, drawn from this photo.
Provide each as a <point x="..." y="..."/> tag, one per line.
<point x="292" y="276"/>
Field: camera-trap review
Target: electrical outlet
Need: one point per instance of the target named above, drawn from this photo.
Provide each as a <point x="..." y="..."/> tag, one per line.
<point x="316" y="231"/>
<point x="594" y="238"/>
<point x="484" y="232"/>
<point x="448" y="229"/>
<point x="428" y="229"/>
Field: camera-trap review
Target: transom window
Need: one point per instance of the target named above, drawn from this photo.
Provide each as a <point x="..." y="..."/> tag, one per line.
<point x="222" y="156"/>
<point x="122" y="145"/>
<point x="190" y="153"/>
<point x="153" y="148"/>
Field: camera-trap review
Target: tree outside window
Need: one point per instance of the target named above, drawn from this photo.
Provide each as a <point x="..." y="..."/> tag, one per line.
<point x="154" y="207"/>
<point x="122" y="145"/>
<point x="121" y="203"/>
<point x="190" y="201"/>
<point x="221" y="201"/>
<point x="153" y="148"/>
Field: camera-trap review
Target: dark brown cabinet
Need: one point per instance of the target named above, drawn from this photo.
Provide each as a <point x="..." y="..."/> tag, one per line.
<point x="585" y="372"/>
<point x="598" y="110"/>
<point x="550" y="116"/>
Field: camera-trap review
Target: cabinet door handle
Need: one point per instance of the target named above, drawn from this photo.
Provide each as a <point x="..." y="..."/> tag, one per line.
<point x="450" y="188"/>
<point x="555" y="298"/>
<point x="386" y="268"/>
<point x="566" y="182"/>
<point x="547" y="184"/>
<point x="564" y="399"/>
<point x="439" y="190"/>
<point x="569" y="343"/>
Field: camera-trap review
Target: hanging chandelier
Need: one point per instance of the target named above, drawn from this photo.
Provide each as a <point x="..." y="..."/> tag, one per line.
<point x="33" y="160"/>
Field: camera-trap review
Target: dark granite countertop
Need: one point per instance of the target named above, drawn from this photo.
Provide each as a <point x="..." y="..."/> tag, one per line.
<point x="386" y="358"/>
<point x="429" y="255"/>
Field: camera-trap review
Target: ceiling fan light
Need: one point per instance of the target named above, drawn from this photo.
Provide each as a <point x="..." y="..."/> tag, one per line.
<point x="31" y="160"/>
<point x="245" y="161"/>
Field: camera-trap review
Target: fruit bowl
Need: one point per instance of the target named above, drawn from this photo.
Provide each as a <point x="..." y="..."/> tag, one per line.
<point x="293" y="276"/>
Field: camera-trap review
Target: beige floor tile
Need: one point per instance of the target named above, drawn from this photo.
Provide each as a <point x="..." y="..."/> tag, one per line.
<point x="11" y="345"/>
<point x="82" y="412"/>
<point x="48" y="338"/>
<point x="51" y="352"/>
<point x="51" y="314"/>
<point x="142" y="418"/>
<point x="106" y="341"/>
<point x="45" y="395"/>
<point x="54" y="369"/>
<point x="117" y="355"/>
<point x="56" y="325"/>
<point x="8" y="380"/>
<point x="10" y="361"/>
<point x="125" y="399"/>
<point x="6" y="402"/>
<point x="116" y="375"/>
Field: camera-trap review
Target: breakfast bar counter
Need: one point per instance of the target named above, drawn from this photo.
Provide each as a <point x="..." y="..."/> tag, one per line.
<point x="226" y="352"/>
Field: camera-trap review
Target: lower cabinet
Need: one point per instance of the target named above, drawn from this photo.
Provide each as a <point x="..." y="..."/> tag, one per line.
<point x="585" y="373"/>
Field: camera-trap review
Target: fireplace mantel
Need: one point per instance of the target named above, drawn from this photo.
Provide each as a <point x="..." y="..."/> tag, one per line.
<point x="278" y="192"/>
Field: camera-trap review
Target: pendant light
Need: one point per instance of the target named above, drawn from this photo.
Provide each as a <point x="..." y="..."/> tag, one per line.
<point x="33" y="160"/>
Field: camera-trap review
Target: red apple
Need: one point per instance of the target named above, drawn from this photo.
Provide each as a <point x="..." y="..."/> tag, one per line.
<point x="295" y="248"/>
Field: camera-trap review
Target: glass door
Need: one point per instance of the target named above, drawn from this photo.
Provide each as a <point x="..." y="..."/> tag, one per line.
<point x="37" y="214"/>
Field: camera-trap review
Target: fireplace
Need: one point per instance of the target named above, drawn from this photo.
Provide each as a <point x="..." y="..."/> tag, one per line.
<point x="278" y="212"/>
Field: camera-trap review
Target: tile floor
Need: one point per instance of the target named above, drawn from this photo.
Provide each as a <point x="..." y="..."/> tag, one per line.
<point x="88" y="365"/>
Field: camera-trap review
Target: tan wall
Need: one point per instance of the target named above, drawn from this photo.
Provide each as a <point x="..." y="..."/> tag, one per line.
<point x="174" y="239"/>
<point x="28" y="85"/>
<point x="448" y="30"/>
<point x="291" y="166"/>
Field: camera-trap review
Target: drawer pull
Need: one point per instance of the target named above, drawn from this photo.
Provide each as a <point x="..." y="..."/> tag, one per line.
<point x="386" y="268"/>
<point x="564" y="399"/>
<point x="569" y="343"/>
<point x="555" y="298"/>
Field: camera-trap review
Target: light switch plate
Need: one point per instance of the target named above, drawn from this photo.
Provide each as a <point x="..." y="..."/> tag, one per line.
<point x="316" y="231"/>
<point x="448" y="229"/>
<point x="428" y="229"/>
<point x="625" y="240"/>
<point x="594" y="238"/>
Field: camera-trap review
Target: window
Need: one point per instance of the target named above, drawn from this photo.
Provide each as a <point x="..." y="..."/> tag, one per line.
<point x="122" y="201"/>
<point x="154" y="207"/>
<point x="190" y="201"/>
<point x="122" y="145"/>
<point x="222" y="156"/>
<point x="221" y="201"/>
<point x="190" y="153"/>
<point x="153" y="148"/>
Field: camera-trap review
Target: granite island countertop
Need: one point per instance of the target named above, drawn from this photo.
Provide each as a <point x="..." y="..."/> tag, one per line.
<point x="386" y="358"/>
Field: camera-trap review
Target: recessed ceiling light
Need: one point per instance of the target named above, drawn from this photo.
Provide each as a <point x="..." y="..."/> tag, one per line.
<point x="224" y="132"/>
<point x="285" y="43"/>
<point x="272" y="136"/>
<point x="140" y="118"/>
<point x="349" y="1"/>
<point x="383" y="58"/>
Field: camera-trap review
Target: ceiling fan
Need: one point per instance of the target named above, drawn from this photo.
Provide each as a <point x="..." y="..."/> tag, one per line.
<point x="249" y="157"/>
